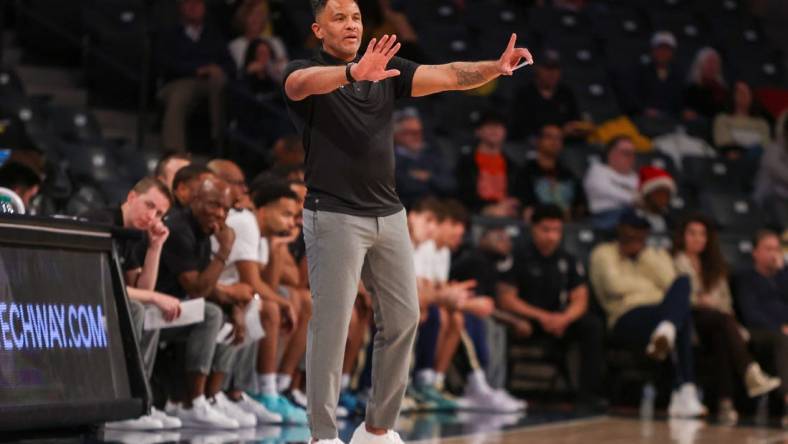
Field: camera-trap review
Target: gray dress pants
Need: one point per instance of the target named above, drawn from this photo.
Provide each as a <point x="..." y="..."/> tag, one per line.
<point x="341" y="249"/>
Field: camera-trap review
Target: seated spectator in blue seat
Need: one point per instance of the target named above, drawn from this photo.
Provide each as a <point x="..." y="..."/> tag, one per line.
<point x="545" y="180"/>
<point x="697" y="254"/>
<point x="258" y="68"/>
<point x="420" y="170"/>
<point x="612" y="186"/>
<point x="659" y="86"/>
<point x="762" y="297"/>
<point x="772" y="179"/>
<point x="548" y="286"/>
<point x="740" y="128"/>
<point x="554" y="100"/>
<point x="707" y="93"/>
<point x="194" y="63"/>
<point x="648" y="305"/>
<point x="253" y="21"/>
<point x="486" y="175"/>
<point x="656" y="189"/>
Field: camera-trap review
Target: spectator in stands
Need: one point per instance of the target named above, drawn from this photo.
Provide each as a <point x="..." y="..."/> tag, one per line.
<point x="186" y="182"/>
<point x="555" y="101"/>
<point x="485" y="176"/>
<point x="194" y="64"/>
<point x="168" y="165"/>
<point x="656" y="189"/>
<point x="647" y="305"/>
<point x="762" y="297"/>
<point x="18" y="185"/>
<point x="696" y="253"/>
<point x="545" y="180"/>
<point x="420" y="171"/>
<point x="707" y="93"/>
<point x="388" y="17"/>
<point x="612" y="187"/>
<point x="258" y="68"/>
<point x="739" y="127"/>
<point x="189" y="270"/>
<point x="659" y="86"/>
<point x="772" y="180"/>
<point x="548" y="286"/>
<point x="232" y="175"/>
<point x="146" y="204"/>
<point x="253" y="21"/>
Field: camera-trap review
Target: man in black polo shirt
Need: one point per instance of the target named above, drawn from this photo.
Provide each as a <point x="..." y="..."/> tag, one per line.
<point x="552" y="291"/>
<point x="354" y="223"/>
<point x="189" y="270"/>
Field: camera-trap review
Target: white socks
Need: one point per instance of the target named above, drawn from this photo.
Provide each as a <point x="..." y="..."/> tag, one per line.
<point x="345" y="382"/>
<point x="283" y="382"/>
<point x="267" y="383"/>
<point x="425" y="378"/>
<point x="440" y="379"/>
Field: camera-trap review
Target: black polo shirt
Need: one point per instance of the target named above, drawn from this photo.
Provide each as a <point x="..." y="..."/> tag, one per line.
<point x="487" y="269"/>
<point x="187" y="248"/>
<point x="131" y="252"/>
<point x="546" y="282"/>
<point x="348" y="140"/>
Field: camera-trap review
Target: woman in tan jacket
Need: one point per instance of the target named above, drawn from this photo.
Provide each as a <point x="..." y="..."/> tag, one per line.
<point x="697" y="254"/>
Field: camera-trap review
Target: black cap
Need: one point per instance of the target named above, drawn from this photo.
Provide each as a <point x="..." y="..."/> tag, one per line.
<point x="634" y="218"/>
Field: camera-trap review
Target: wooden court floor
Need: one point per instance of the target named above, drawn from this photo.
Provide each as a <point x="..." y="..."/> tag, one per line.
<point x="609" y="430"/>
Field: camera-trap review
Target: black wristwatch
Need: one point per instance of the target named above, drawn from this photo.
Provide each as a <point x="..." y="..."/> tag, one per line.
<point x="348" y="75"/>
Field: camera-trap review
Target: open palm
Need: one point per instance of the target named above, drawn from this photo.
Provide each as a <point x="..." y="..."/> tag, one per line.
<point x="372" y="65"/>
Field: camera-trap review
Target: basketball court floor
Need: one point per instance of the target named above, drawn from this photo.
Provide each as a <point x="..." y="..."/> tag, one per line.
<point x="539" y="427"/>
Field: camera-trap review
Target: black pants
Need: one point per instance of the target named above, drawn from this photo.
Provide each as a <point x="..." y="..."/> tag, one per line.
<point x="771" y="347"/>
<point x="719" y="333"/>
<point x="636" y="325"/>
<point x="587" y="332"/>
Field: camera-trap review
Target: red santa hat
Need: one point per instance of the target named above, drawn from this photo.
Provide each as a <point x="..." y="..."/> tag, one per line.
<point x="653" y="178"/>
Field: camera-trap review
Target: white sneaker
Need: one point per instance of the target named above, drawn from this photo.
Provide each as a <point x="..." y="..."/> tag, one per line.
<point x="362" y="436"/>
<point x="263" y="415"/>
<point x="142" y="423"/>
<point x="486" y="400"/>
<point x="662" y="339"/>
<point x="203" y="415"/>
<point x="169" y="422"/>
<point x="171" y="408"/>
<point x="507" y="398"/>
<point x="232" y="410"/>
<point x="299" y="398"/>
<point x="684" y="403"/>
<point x="327" y="441"/>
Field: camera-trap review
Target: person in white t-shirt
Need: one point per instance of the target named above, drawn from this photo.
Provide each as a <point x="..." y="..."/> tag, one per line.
<point x="251" y="263"/>
<point x="612" y="187"/>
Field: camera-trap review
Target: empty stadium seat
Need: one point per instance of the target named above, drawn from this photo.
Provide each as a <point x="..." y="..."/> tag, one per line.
<point x="712" y="174"/>
<point x="73" y="124"/>
<point x="580" y="239"/>
<point x="10" y="83"/>
<point x="737" y="250"/>
<point x="731" y="211"/>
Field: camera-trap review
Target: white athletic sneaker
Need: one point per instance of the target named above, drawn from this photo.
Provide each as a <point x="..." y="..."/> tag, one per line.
<point x="662" y="339"/>
<point x="142" y="423"/>
<point x="169" y="422"/>
<point x="263" y="415"/>
<point x="684" y="403"/>
<point x="203" y="415"/>
<point x="327" y="441"/>
<point x="486" y="400"/>
<point x="171" y="408"/>
<point x="507" y="398"/>
<point x="232" y="410"/>
<point x="362" y="436"/>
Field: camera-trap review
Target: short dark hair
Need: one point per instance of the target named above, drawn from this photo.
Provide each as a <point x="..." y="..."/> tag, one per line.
<point x="545" y="212"/>
<point x="318" y="6"/>
<point x="761" y="235"/>
<point x="270" y="192"/>
<point x="188" y="173"/>
<point x="491" y="117"/>
<point x="144" y="185"/>
<point x="424" y="204"/>
<point x="614" y="142"/>
<point x="18" y="175"/>
<point x="166" y="158"/>
<point x="453" y="210"/>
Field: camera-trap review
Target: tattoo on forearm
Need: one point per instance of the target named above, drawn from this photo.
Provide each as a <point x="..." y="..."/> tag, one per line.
<point x="467" y="77"/>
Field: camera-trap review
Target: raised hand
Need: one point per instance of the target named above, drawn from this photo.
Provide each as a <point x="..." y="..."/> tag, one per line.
<point x="512" y="56"/>
<point x="372" y="65"/>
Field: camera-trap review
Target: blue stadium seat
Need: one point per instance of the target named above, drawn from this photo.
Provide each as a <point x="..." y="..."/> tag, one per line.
<point x="72" y="124"/>
<point x="731" y="211"/>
